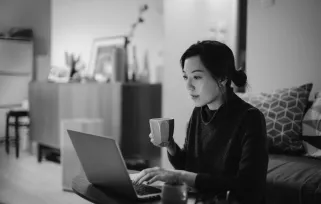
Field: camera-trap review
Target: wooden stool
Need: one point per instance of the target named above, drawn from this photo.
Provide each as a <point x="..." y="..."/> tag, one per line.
<point x="17" y="115"/>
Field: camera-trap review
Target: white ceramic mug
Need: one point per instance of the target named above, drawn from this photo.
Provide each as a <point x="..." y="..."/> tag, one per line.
<point x="162" y="129"/>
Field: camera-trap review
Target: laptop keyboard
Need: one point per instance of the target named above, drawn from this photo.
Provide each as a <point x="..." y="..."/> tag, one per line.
<point x="143" y="189"/>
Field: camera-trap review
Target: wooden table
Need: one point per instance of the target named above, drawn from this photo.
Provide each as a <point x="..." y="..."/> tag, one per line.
<point x="86" y="190"/>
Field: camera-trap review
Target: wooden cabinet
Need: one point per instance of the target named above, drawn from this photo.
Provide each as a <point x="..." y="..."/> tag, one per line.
<point x="124" y="107"/>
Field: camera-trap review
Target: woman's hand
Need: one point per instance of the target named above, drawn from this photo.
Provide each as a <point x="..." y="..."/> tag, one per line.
<point x="164" y="144"/>
<point x="151" y="175"/>
<point x="152" y="140"/>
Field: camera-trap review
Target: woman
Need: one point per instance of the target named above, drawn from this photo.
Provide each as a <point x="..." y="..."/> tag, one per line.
<point x="225" y="147"/>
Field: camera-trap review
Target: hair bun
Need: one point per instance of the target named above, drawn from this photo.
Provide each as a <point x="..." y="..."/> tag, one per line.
<point x="239" y="78"/>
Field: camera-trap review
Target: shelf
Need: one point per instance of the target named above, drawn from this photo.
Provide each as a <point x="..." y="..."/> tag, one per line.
<point x="17" y="39"/>
<point x="14" y="73"/>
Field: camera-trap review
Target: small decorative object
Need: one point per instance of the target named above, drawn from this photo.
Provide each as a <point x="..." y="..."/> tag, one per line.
<point x="75" y="65"/>
<point x="108" y="61"/>
<point x="139" y="20"/>
<point x="134" y="67"/>
<point x="21" y="33"/>
<point x="71" y="60"/>
<point x="144" y="74"/>
<point x="59" y="74"/>
<point x="133" y="71"/>
<point x="69" y="73"/>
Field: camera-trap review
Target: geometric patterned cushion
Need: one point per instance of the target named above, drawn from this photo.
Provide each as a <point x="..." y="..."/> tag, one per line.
<point x="283" y="110"/>
<point x="311" y="128"/>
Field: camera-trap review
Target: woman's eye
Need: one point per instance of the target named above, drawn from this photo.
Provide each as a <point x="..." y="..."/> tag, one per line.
<point x="197" y="77"/>
<point x="185" y="77"/>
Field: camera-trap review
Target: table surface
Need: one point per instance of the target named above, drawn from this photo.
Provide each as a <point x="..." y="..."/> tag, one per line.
<point x="82" y="187"/>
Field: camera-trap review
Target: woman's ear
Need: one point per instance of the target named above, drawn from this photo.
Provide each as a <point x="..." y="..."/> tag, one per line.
<point x="223" y="82"/>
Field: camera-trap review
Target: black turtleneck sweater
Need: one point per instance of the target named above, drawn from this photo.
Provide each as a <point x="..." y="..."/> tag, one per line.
<point x="227" y="148"/>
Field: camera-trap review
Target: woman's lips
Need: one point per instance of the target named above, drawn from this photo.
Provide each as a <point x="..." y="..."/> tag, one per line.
<point x="194" y="97"/>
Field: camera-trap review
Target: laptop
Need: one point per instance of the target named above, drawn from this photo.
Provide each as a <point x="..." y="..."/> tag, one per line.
<point x="104" y="166"/>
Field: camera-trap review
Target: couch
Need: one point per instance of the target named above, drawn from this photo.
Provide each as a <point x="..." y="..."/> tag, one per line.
<point x="293" y="179"/>
<point x="294" y="170"/>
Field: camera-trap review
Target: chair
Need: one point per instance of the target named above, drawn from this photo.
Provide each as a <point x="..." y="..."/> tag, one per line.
<point x="16" y="116"/>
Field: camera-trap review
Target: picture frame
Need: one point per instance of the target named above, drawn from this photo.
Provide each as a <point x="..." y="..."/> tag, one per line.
<point x="108" y="59"/>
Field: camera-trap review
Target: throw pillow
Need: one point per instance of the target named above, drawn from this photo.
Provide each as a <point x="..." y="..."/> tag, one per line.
<point x="283" y="110"/>
<point x="311" y="128"/>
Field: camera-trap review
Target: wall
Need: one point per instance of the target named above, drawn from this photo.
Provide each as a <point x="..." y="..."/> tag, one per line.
<point x="187" y="21"/>
<point x="76" y="23"/>
<point x="283" y="44"/>
<point x="33" y="14"/>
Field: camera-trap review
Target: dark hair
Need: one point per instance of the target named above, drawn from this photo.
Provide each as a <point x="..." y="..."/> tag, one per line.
<point x="218" y="59"/>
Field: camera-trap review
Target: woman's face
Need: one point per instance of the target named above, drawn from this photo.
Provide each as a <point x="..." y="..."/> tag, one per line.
<point x="201" y="86"/>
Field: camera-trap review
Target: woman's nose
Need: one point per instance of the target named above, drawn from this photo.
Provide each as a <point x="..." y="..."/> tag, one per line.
<point x="189" y="85"/>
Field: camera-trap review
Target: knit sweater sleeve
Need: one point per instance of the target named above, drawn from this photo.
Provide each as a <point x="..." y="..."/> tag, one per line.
<point x="179" y="158"/>
<point x="250" y="180"/>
